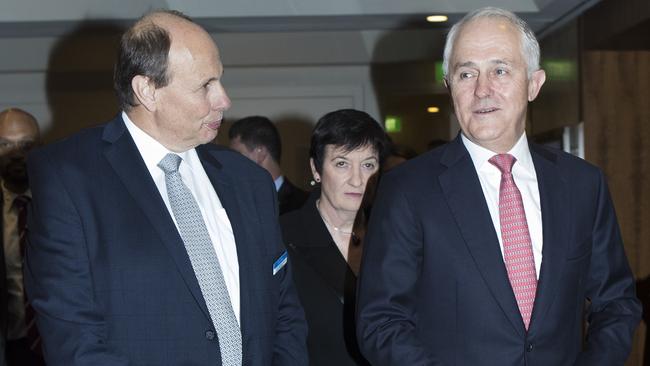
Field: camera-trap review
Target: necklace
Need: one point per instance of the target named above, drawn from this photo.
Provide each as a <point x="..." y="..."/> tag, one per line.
<point x="327" y="223"/>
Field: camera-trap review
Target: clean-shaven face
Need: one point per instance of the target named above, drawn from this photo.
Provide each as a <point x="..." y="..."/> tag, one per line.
<point x="489" y="84"/>
<point x="190" y="108"/>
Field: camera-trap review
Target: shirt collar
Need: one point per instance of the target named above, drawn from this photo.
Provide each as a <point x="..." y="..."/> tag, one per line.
<point x="152" y="151"/>
<point x="278" y="182"/>
<point x="481" y="155"/>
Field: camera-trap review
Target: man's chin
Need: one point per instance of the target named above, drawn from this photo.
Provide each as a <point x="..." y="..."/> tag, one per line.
<point x="209" y="136"/>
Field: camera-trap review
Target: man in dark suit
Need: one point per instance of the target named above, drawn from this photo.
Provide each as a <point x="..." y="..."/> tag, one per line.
<point x="491" y="250"/>
<point x="258" y="139"/>
<point x="149" y="246"/>
<point x="19" y="133"/>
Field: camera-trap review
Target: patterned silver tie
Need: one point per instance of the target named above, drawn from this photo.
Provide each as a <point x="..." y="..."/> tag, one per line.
<point x="204" y="261"/>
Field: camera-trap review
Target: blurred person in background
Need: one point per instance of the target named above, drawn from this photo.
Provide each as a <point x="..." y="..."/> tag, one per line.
<point x="19" y="134"/>
<point x="257" y="138"/>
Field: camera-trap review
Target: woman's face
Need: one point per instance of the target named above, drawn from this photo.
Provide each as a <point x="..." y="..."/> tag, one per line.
<point x="344" y="176"/>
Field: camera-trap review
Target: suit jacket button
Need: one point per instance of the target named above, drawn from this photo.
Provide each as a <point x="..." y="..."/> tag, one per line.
<point x="529" y="347"/>
<point x="209" y="335"/>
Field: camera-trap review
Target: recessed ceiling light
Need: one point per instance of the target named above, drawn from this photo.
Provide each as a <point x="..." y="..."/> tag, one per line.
<point x="433" y="109"/>
<point x="437" y="18"/>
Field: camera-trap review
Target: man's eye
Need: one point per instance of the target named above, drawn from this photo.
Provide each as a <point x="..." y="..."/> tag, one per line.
<point x="501" y="72"/>
<point x="465" y="75"/>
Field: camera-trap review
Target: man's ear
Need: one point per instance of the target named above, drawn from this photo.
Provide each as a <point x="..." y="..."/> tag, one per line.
<point x="535" y="83"/>
<point x="260" y="153"/>
<point x="144" y="91"/>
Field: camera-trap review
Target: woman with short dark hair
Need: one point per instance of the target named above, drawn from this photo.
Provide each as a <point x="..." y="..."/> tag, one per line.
<point x="322" y="238"/>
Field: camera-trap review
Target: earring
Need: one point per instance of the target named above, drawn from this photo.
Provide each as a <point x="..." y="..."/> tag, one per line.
<point x="314" y="181"/>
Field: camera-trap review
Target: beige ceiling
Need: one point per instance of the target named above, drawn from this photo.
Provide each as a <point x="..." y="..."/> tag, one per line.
<point x="47" y="17"/>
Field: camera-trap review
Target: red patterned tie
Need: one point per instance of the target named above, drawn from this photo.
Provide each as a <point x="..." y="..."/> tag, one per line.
<point x="20" y="203"/>
<point x="517" y="246"/>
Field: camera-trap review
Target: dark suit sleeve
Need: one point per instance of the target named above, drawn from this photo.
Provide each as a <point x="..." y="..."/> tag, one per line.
<point x="614" y="312"/>
<point x="58" y="278"/>
<point x="290" y="342"/>
<point x="387" y="289"/>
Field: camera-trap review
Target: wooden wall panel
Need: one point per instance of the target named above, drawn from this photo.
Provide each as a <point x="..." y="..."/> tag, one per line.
<point x="616" y="108"/>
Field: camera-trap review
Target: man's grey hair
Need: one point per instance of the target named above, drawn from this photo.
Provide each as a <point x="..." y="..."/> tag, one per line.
<point x="529" y="44"/>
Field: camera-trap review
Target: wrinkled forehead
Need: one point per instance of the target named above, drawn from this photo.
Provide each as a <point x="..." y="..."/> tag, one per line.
<point x="495" y="29"/>
<point x="17" y="126"/>
<point x="490" y="37"/>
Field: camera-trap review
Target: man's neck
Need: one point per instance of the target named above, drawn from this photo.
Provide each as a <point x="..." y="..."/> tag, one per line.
<point x="273" y="169"/>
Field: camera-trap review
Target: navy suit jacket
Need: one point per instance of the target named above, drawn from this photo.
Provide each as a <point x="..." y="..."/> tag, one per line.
<point x="108" y="273"/>
<point x="433" y="288"/>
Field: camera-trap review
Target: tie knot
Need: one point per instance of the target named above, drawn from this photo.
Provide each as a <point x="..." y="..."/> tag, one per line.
<point x="504" y="162"/>
<point x="170" y="163"/>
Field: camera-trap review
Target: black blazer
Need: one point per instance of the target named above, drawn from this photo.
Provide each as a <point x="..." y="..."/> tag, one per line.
<point x="290" y="197"/>
<point x="326" y="287"/>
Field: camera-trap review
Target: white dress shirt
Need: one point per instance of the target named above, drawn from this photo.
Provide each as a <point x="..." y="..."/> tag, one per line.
<point x="197" y="181"/>
<point x="523" y="172"/>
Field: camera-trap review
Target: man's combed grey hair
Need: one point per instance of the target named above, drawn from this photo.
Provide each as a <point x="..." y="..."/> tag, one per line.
<point x="529" y="44"/>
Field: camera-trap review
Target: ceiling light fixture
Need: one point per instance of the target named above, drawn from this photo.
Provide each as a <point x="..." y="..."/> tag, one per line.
<point x="437" y="18"/>
<point x="433" y="109"/>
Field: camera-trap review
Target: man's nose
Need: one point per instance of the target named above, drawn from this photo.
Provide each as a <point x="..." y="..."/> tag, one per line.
<point x="220" y="99"/>
<point x="483" y="86"/>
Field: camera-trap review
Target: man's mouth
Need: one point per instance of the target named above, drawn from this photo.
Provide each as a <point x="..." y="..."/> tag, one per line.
<point x="486" y="110"/>
<point x="214" y="125"/>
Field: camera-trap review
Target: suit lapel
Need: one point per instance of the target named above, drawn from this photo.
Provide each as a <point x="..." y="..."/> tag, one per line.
<point x="554" y="200"/>
<point x="246" y="250"/>
<point x="464" y="195"/>
<point x="123" y="156"/>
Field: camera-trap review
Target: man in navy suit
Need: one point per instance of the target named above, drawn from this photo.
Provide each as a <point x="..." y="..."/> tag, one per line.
<point x="258" y="139"/>
<point x="110" y="270"/>
<point x="447" y="280"/>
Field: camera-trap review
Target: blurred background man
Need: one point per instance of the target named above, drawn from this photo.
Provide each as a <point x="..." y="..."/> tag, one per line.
<point x="258" y="139"/>
<point x="19" y="133"/>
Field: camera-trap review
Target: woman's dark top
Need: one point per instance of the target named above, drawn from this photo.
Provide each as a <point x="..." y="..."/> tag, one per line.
<point x="326" y="287"/>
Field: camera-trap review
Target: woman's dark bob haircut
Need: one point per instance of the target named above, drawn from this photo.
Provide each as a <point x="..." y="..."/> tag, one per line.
<point x="348" y="129"/>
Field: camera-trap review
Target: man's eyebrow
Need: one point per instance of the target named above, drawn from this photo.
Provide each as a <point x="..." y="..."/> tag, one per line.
<point x="501" y="62"/>
<point x="473" y="64"/>
<point x="464" y="64"/>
